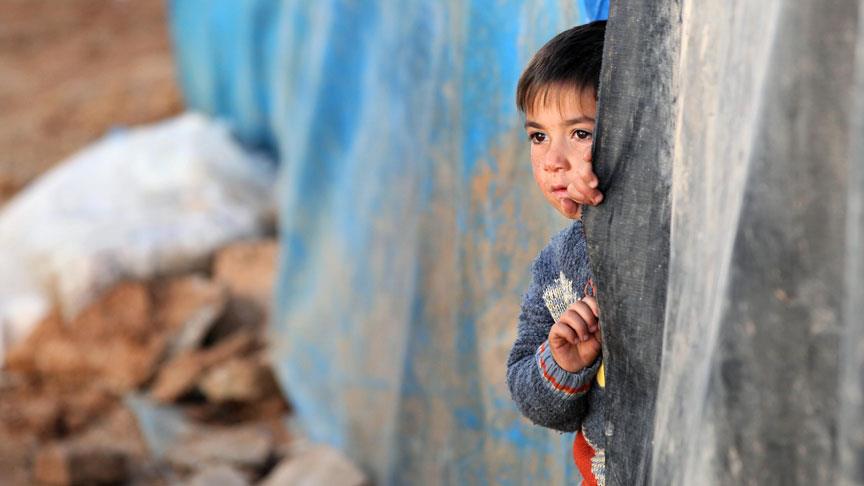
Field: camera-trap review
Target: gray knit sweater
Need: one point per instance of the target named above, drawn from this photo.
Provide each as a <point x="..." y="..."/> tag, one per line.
<point x="545" y="393"/>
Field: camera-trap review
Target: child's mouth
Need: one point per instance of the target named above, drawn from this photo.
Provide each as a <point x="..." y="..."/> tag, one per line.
<point x="560" y="191"/>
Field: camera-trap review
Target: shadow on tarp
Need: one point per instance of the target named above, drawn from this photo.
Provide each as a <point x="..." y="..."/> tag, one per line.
<point x="408" y="217"/>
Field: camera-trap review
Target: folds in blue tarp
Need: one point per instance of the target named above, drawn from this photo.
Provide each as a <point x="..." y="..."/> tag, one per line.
<point x="727" y="146"/>
<point x="408" y="217"/>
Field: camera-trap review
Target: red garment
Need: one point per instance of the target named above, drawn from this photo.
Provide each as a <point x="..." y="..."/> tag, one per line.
<point x="583" y="454"/>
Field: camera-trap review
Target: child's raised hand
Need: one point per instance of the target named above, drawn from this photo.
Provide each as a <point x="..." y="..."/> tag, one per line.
<point x="575" y="339"/>
<point x="584" y="189"/>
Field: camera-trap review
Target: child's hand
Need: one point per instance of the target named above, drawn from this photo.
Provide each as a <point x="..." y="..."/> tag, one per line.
<point x="584" y="189"/>
<point x="575" y="338"/>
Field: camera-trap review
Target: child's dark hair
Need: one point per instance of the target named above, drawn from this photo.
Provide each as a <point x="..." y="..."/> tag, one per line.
<point x="572" y="58"/>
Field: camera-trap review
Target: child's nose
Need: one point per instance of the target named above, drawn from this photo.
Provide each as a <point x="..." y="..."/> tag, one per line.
<point x="556" y="159"/>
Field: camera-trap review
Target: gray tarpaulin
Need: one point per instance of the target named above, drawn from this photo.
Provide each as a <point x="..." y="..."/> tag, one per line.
<point x="756" y="108"/>
<point x="851" y="443"/>
<point x="629" y="235"/>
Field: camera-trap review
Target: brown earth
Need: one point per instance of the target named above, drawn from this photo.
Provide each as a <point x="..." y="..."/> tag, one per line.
<point x="172" y="340"/>
<point x="73" y="69"/>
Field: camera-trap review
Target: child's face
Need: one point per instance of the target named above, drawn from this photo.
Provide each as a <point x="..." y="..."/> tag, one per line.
<point x="560" y="127"/>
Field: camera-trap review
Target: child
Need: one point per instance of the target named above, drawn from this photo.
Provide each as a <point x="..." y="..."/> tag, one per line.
<point x="555" y="370"/>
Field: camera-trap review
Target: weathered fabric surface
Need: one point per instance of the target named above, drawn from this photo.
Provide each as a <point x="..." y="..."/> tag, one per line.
<point x="629" y="234"/>
<point x="408" y="215"/>
<point x="409" y="223"/>
<point x="755" y="109"/>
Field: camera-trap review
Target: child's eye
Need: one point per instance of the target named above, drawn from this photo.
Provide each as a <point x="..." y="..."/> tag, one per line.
<point x="581" y="134"/>
<point x="537" y="137"/>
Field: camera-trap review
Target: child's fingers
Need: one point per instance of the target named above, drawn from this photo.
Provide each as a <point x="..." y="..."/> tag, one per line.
<point x="588" y="176"/>
<point x="576" y="194"/>
<point x="587" y="315"/>
<point x="590" y="350"/>
<point x="563" y="331"/>
<point x="592" y="303"/>
<point x="577" y="323"/>
<point x="596" y="196"/>
<point x="581" y="192"/>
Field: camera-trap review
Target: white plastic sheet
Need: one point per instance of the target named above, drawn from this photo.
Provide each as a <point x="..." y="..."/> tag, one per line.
<point x="141" y="202"/>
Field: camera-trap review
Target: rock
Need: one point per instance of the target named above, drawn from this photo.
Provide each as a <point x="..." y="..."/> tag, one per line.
<point x="22" y="358"/>
<point x="314" y="466"/>
<point x="78" y="464"/>
<point x="180" y="375"/>
<point x="109" y="451"/>
<point x="248" y="270"/>
<point x="237" y="344"/>
<point x="267" y="408"/>
<point x="47" y="410"/>
<point x="247" y="447"/>
<point x="219" y="475"/>
<point x="187" y="307"/>
<point x="114" y="340"/>
<point x="85" y="406"/>
<point x="16" y="456"/>
<point x="161" y="426"/>
<point x="11" y="381"/>
<point x="238" y="380"/>
<point x="117" y="429"/>
<point x="42" y="416"/>
<point x="125" y="366"/>
<point x="125" y="310"/>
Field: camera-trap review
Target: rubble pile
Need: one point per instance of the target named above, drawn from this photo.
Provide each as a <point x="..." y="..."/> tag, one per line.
<point x="195" y="344"/>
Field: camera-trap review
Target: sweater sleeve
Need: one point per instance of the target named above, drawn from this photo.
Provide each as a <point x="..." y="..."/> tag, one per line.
<point x="545" y="393"/>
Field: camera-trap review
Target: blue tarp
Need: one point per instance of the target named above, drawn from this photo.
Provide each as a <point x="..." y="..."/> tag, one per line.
<point x="409" y="220"/>
<point x="408" y="217"/>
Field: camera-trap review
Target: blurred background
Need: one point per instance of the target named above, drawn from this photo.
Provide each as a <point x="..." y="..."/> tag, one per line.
<point x="74" y="74"/>
<point x="150" y="151"/>
<point x="72" y="71"/>
<point x="284" y="242"/>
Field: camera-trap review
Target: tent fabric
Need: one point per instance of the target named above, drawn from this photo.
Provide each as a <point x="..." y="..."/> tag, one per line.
<point x="759" y="247"/>
<point x="727" y="252"/>
<point x="851" y="375"/>
<point x="409" y="224"/>
<point x="591" y="10"/>
<point x="629" y="234"/>
<point x="225" y="52"/>
<point x="408" y="217"/>
<point x="761" y="372"/>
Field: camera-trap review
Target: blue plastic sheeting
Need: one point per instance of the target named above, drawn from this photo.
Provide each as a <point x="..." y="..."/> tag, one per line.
<point x="408" y="217"/>
<point x="591" y="10"/>
<point x="225" y="52"/>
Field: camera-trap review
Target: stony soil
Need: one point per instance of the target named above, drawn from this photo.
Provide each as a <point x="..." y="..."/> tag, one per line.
<point x="171" y="341"/>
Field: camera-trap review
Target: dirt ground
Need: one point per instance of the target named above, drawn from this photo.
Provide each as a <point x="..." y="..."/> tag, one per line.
<point x="195" y="343"/>
<point x="70" y="70"/>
